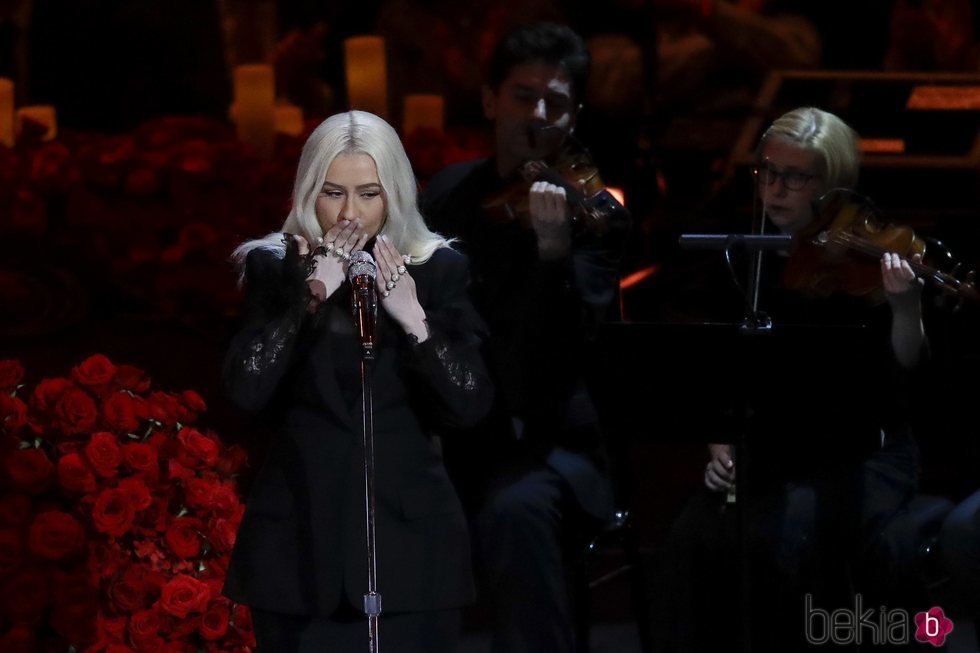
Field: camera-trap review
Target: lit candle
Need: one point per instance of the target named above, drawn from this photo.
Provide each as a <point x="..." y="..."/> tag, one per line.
<point x="254" y="106"/>
<point x="423" y="112"/>
<point x="289" y="119"/>
<point x="367" y="78"/>
<point x="43" y="114"/>
<point x="6" y="112"/>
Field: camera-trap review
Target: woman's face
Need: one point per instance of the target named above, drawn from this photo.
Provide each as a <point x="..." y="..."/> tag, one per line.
<point x="790" y="177"/>
<point x="352" y="191"/>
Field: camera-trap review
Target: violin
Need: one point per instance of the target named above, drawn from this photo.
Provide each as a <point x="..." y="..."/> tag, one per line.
<point x="840" y="252"/>
<point x="594" y="210"/>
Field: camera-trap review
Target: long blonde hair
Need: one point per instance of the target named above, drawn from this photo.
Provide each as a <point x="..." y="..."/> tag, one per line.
<point x="348" y="133"/>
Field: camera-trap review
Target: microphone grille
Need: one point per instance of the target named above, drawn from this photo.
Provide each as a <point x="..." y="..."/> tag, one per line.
<point x="361" y="263"/>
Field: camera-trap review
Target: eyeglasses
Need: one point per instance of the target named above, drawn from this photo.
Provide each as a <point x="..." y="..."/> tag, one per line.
<point x="792" y="179"/>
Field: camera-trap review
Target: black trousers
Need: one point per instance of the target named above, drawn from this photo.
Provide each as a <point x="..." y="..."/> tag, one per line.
<point x="346" y="631"/>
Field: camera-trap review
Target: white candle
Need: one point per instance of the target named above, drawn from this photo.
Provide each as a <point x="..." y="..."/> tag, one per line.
<point x="367" y="77"/>
<point x="423" y="112"/>
<point x="289" y="119"/>
<point x="44" y="114"/>
<point x="6" y="112"/>
<point x="254" y="106"/>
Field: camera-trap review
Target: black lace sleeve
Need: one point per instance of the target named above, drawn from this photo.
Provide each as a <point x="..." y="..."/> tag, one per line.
<point x="448" y="366"/>
<point x="276" y="297"/>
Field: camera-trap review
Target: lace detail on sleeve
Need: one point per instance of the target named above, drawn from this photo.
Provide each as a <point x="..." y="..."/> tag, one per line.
<point x="264" y="353"/>
<point x="458" y="373"/>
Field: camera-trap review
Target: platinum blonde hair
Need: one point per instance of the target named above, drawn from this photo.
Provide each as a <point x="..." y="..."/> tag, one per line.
<point x="354" y="132"/>
<point x="823" y="133"/>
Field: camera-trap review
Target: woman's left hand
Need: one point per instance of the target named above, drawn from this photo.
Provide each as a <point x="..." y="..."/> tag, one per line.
<point x="897" y="275"/>
<point x="396" y="289"/>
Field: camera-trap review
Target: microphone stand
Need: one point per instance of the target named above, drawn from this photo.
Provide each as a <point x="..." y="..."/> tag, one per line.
<point x="365" y="308"/>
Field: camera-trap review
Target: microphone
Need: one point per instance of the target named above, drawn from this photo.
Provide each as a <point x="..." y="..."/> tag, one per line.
<point x="361" y="271"/>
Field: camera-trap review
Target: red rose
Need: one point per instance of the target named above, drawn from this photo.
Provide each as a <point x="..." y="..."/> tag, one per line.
<point x="76" y="412"/>
<point x="75" y="475"/>
<point x="11" y="550"/>
<point x="142" y="459"/>
<point x="163" y="408"/>
<point x="144" y="630"/>
<point x="113" y="513"/>
<point x="131" y="378"/>
<point x="104" y="454"/>
<point x="184" y="595"/>
<point x="197" y="450"/>
<point x="94" y="372"/>
<point x="15" y="509"/>
<point x="214" y="621"/>
<point x="139" y="495"/>
<point x="47" y="393"/>
<point x="199" y="492"/>
<point x="24" y="595"/>
<point x="11" y="372"/>
<point x="13" y="413"/>
<point x="119" y="413"/>
<point x="223" y="533"/>
<point x="225" y="500"/>
<point x="55" y="534"/>
<point x="30" y="470"/>
<point x="193" y="401"/>
<point x="19" y="639"/>
<point x="183" y="537"/>
<point x="127" y="592"/>
<point x="232" y="461"/>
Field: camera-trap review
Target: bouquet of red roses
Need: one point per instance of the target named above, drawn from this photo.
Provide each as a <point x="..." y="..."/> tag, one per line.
<point x="117" y="517"/>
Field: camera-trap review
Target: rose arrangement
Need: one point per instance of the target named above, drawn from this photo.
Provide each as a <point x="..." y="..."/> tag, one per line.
<point x="118" y="513"/>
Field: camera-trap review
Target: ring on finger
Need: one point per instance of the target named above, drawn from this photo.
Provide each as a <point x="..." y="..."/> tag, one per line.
<point x="401" y="269"/>
<point x="394" y="277"/>
<point x="386" y="293"/>
<point x="390" y="285"/>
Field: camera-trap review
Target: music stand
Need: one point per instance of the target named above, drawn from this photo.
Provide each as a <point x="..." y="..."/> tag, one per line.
<point x="730" y="378"/>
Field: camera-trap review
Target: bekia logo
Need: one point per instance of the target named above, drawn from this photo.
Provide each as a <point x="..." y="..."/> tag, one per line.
<point x="866" y="625"/>
<point x="932" y="626"/>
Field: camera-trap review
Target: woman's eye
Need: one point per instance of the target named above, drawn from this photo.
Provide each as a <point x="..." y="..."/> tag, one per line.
<point x="333" y="194"/>
<point x="370" y="194"/>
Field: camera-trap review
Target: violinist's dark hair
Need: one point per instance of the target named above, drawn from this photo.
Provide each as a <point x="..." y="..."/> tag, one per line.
<point x="549" y="43"/>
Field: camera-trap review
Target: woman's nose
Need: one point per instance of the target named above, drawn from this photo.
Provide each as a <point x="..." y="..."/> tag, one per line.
<point x="348" y="211"/>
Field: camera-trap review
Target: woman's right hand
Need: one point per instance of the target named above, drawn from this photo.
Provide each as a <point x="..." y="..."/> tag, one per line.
<point x="719" y="475"/>
<point x="331" y="258"/>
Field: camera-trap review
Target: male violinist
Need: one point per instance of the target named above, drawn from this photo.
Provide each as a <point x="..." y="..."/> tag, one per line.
<point x="533" y="472"/>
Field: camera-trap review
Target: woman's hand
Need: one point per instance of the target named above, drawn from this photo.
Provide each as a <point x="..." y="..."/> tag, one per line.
<point x="331" y="258"/>
<point x="396" y="289"/>
<point x="719" y="475"/>
<point x="898" y="278"/>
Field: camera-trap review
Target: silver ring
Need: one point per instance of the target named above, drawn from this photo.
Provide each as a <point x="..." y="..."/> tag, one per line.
<point x="394" y="277"/>
<point x="385" y="293"/>
<point x="390" y="285"/>
<point x="345" y="256"/>
<point x="340" y="252"/>
<point x="401" y="269"/>
<point x="330" y="246"/>
<point x="407" y="258"/>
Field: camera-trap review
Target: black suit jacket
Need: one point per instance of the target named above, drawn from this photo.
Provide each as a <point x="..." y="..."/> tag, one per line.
<point x="301" y="545"/>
